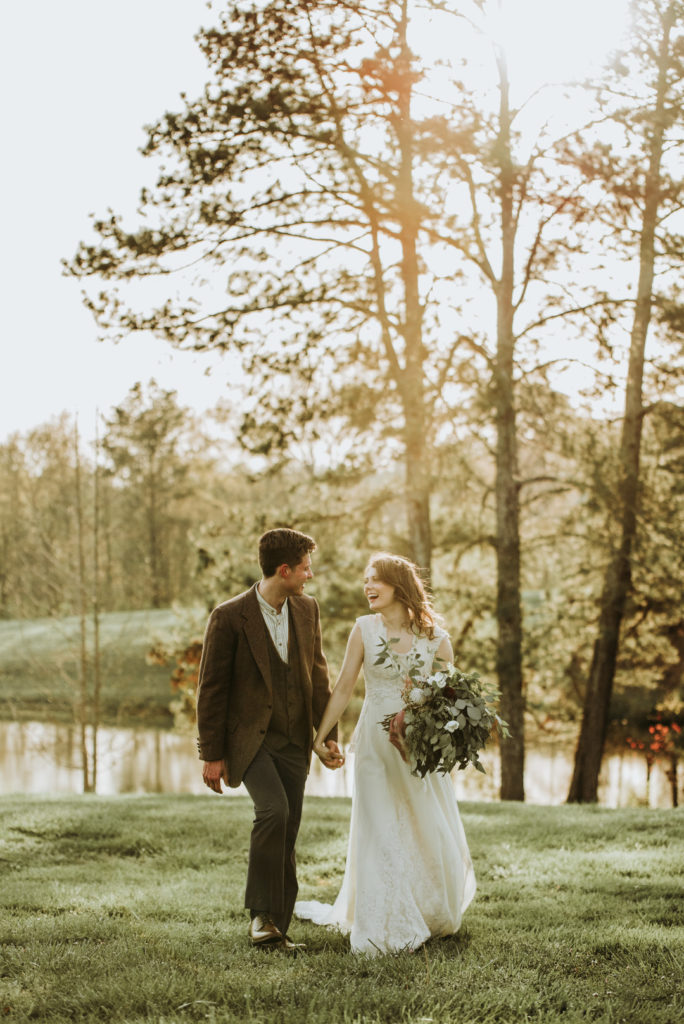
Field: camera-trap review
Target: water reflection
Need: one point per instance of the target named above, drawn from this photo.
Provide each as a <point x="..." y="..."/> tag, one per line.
<point x="37" y="757"/>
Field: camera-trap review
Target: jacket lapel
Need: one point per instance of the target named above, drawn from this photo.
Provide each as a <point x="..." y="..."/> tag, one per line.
<point x="255" y="631"/>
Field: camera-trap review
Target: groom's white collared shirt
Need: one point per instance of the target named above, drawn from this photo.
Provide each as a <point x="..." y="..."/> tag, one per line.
<point x="276" y="624"/>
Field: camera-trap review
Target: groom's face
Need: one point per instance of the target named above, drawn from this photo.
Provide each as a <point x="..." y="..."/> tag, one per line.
<point x="295" y="578"/>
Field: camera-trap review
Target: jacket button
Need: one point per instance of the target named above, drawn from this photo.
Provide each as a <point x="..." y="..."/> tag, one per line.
<point x="262" y="731"/>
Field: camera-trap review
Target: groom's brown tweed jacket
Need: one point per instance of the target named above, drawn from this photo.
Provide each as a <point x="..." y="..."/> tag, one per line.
<point x="235" y="694"/>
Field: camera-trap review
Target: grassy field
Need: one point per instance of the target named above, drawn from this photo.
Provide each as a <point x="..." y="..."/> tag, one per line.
<point x="130" y="910"/>
<point x="39" y="668"/>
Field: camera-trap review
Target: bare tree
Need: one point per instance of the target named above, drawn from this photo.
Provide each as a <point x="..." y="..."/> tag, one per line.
<point x="638" y="188"/>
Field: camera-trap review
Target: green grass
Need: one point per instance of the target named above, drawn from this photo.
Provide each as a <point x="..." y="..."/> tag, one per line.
<point x="130" y="909"/>
<point x="39" y="668"/>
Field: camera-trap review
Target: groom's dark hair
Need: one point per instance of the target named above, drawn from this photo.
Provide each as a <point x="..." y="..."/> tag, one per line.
<point x="283" y="547"/>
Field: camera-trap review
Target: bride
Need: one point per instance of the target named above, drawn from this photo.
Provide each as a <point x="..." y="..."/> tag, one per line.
<point x="408" y="875"/>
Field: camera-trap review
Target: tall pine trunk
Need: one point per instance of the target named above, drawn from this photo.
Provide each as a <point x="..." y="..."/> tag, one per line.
<point x="508" y="605"/>
<point x="412" y="389"/>
<point x="97" y="664"/>
<point x="153" y="537"/>
<point x="617" y="580"/>
<point x="83" y="702"/>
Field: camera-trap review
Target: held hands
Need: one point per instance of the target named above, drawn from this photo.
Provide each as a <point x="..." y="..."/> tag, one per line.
<point x="329" y="753"/>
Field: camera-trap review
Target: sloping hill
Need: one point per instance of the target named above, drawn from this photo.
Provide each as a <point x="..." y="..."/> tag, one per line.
<point x="40" y="659"/>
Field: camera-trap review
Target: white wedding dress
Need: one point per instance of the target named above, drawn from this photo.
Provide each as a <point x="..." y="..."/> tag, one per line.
<point x="409" y="875"/>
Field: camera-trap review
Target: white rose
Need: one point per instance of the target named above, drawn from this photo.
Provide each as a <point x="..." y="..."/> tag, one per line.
<point x="451" y="726"/>
<point x="416" y="695"/>
<point x="439" y="679"/>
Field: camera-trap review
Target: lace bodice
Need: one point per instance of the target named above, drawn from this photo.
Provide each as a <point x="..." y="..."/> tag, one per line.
<point x="385" y="682"/>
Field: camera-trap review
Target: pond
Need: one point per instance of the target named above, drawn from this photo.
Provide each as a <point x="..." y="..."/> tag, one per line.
<point x="40" y="757"/>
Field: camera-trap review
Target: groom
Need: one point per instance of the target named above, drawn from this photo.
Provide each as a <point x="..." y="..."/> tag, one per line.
<point x="263" y="686"/>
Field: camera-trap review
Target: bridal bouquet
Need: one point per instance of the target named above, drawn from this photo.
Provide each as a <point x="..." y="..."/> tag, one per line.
<point x="446" y="720"/>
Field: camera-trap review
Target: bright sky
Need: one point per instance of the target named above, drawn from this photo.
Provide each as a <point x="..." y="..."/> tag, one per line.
<point x="80" y="78"/>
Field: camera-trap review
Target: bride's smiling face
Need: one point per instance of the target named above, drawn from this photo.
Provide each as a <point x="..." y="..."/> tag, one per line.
<point x="379" y="595"/>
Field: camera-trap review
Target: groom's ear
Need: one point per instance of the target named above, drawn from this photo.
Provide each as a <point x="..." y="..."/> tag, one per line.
<point x="284" y="570"/>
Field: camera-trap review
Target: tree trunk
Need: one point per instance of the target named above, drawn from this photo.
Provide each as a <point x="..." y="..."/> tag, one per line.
<point x="508" y="606"/>
<point x="153" y="537"/>
<point x="591" y="742"/>
<point x="418" y="486"/>
<point x="97" y="674"/>
<point x="412" y="390"/>
<point x="106" y="528"/>
<point x="83" y="603"/>
<point x="672" y="779"/>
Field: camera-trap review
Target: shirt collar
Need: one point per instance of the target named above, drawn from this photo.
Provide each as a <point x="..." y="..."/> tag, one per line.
<point x="269" y="607"/>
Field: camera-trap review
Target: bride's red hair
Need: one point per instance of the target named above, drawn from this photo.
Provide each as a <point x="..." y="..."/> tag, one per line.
<point x="409" y="589"/>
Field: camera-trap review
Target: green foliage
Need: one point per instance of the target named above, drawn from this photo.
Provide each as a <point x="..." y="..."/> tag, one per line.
<point x="143" y="506"/>
<point x="38" y="546"/>
<point x="155" y="470"/>
<point x="130" y="910"/>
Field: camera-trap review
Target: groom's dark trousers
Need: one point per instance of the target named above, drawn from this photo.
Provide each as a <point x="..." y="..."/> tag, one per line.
<point x="275" y="780"/>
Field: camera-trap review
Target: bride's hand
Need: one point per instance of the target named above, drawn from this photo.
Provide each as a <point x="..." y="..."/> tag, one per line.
<point x="397" y="731"/>
<point x="320" y="749"/>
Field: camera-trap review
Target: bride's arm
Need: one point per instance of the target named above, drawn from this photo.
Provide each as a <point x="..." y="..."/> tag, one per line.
<point x="344" y="687"/>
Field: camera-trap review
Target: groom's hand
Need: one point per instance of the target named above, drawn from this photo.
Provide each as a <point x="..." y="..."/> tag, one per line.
<point x="212" y="773"/>
<point x="330" y="754"/>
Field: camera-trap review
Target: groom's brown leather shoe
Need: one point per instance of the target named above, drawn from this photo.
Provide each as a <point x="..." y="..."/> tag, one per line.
<point x="263" y="932"/>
